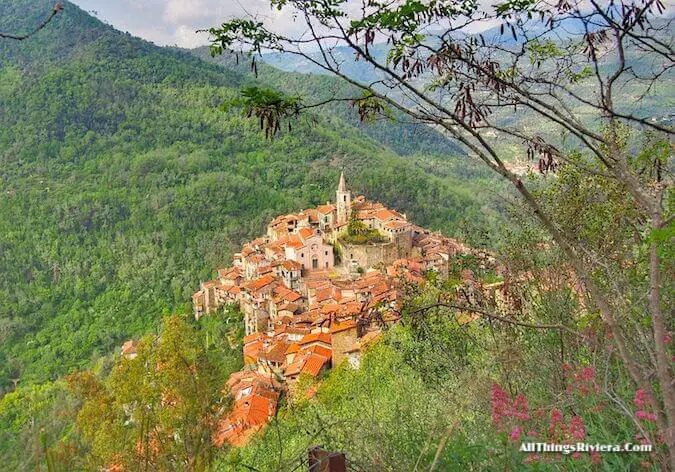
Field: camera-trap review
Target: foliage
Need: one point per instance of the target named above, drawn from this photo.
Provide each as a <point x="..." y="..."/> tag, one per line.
<point x="160" y="409"/>
<point x="478" y="88"/>
<point x="361" y="412"/>
<point x="269" y="106"/>
<point x="359" y="233"/>
<point x="465" y="396"/>
<point x="123" y="185"/>
<point x="34" y="420"/>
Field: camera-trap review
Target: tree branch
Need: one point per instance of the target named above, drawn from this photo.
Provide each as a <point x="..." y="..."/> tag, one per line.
<point x="20" y="37"/>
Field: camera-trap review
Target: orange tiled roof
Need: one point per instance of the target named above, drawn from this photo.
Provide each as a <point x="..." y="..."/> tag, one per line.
<point x="277" y="352"/>
<point x="253" y="337"/>
<point x="313" y="365"/>
<point x="295" y="242"/>
<point x="129" y="347"/>
<point x="338" y="327"/>
<point x="261" y="282"/>
<point x="291" y="265"/>
<point x="315" y="337"/>
<point x="385" y="214"/>
<point x="319" y="350"/>
<point x="306" y="233"/>
<point x="326" y="209"/>
<point x="396" y="224"/>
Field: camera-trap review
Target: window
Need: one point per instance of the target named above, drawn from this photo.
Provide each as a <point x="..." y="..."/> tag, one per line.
<point x="326" y="264"/>
<point x="326" y="252"/>
<point x="344" y="198"/>
<point x="315" y="263"/>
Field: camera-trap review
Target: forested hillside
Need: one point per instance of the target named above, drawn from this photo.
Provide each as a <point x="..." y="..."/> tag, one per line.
<point x="128" y="174"/>
<point x="124" y="184"/>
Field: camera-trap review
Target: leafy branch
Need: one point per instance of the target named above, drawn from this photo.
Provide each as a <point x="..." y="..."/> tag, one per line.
<point x="268" y="105"/>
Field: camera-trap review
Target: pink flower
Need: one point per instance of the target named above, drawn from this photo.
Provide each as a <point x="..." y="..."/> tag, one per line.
<point x="587" y="373"/>
<point x="515" y="433"/>
<point x="556" y="422"/>
<point x="556" y="417"/>
<point x="642" y="398"/>
<point x="595" y="457"/>
<point x="520" y="407"/>
<point x="577" y="429"/>
<point x="531" y="458"/>
<point x="583" y="381"/>
<point x="667" y="338"/>
<point x="644" y="415"/>
<point x="501" y="403"/>
<point x="576" y="456"/>
<point x="641" y="439"/>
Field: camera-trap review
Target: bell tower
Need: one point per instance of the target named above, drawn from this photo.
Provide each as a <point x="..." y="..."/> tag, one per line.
<point x="343" y="201"/>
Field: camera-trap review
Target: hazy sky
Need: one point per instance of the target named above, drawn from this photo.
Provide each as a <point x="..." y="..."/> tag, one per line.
<point x="169" y="22"/>
<point x="174" y="22"/>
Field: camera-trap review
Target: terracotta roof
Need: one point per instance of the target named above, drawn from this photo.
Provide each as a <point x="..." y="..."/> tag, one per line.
<point x="253" y="337"/>
<point x="277" y="352"/>
<point x="384" y="215"/>
<point x="261" y="282"/>
<point x="288" y="306"/>
<point x="129" y="347"/>
<point x="293" y="348"/>
<point x="320" y="350"/>
<point x="294" y="241"/>
<point x="306" y="232"/>
<point x="326" y="209"/>
<point x="338" y="327"/>
<point x="229" y="273"/>
<point x="252" y="352"/>
<point x="330" y="308"/>
<point x="291" y="265"/>
<point x="396" y="224"/>
<point x="315" y="337"/>
<point x="313" y="365"/>
<point x="292" y="296"/>
<point x="209" y="284"/>
<point x="324" y="294"/>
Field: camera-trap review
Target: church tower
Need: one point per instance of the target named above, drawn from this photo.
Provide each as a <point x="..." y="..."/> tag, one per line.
<point x="343" y="201"/>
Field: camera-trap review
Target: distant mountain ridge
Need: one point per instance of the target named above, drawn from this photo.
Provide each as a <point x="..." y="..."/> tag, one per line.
<point x="653" y="104"/>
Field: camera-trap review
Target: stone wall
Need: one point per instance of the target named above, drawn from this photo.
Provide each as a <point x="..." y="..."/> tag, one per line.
<point x="369" y="255"/>
<point x="341" y="342"/>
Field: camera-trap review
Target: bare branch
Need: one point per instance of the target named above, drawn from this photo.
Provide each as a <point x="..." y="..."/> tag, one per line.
<point x="20" y="37"/>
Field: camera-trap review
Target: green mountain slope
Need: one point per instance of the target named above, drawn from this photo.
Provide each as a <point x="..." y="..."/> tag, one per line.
<point x="122" y="185"/>
<point x="406" y="138"/>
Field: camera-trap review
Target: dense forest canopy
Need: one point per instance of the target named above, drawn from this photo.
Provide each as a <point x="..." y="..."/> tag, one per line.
<point x="124" y="184"/>
<point x="127" y="177"/>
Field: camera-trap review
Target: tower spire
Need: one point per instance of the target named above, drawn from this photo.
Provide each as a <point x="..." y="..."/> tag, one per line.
<point x="343" y="201"/>
<point x="342" y="186"/>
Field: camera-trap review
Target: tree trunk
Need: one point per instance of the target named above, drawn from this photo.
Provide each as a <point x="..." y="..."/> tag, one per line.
<point x="662" y="360"/>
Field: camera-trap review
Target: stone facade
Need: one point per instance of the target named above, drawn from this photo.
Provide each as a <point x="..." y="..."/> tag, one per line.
<point x="368" y="255"/>
<point x="343" y="201"/>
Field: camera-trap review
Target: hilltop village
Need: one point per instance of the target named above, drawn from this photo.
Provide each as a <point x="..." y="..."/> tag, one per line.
<point x="315" y="291"/>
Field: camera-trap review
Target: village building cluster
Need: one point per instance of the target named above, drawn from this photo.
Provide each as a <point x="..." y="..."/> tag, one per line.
<point x="313" y="298"/>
